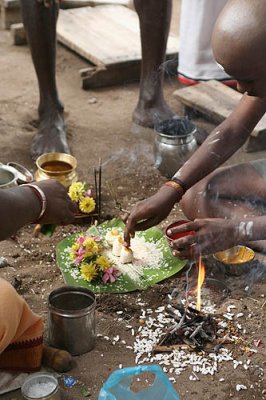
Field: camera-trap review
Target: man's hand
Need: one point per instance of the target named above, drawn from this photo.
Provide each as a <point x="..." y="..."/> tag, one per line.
<point x="59" y="209"/>
<point x="211" y="235"/>
<point x="151" y="211"/>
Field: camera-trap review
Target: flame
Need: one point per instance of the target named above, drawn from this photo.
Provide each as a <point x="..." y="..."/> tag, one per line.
<point x="201" y="277"/>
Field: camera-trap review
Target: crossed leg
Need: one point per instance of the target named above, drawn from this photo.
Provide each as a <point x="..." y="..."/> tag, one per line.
<point x="237" y="192"/>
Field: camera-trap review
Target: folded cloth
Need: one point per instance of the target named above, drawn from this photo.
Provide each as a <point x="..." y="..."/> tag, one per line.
<point x="196" y="61"/>
<point x="21" y="332"/>
<point x="10" y="381"/>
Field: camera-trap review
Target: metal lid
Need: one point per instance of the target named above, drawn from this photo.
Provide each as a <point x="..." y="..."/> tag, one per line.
<point x="23" y="174"/>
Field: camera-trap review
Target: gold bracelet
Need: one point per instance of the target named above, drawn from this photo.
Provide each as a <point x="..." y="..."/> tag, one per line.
<point x="174" y="185"/>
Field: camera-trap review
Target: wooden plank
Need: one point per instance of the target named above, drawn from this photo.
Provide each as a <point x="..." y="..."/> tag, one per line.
<point x="18" y="34"/>
<point x="11" y="3"/>
<point x="104" y="35"/>
<point x="214" y="100"/>
<point x="95" y="77"/>
<point x="10" y="14"/>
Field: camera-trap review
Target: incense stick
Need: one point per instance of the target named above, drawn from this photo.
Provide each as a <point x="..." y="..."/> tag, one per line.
<point x="96" y="188"/>
<point x="100" y="189"/>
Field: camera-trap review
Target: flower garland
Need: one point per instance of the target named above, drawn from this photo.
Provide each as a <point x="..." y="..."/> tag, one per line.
<point x="86" y="253"/>
<point x="79" y="192"/>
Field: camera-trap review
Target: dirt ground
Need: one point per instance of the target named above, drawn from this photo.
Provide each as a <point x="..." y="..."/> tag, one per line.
<point x="103" y="128"/>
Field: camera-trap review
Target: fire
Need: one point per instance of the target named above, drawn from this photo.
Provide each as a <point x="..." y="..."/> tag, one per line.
<point x="201" y="277"/>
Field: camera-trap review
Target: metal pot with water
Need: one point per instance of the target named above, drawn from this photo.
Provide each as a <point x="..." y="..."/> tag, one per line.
<point x="175" y="142"/>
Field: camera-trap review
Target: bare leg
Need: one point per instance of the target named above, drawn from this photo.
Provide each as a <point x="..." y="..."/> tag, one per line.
<point x="40" y="24"/>
<point x="230" y="192"/>
<point x="154" y="17"/>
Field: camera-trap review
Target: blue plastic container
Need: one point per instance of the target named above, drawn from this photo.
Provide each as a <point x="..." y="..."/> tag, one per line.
<point x="118" y="385"/>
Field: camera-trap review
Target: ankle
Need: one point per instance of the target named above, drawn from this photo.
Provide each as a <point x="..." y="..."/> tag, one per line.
<point x="50" y="108"/>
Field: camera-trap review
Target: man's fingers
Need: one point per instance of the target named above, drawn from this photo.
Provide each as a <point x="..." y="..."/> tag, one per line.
<point x="128" y="233"/>
<point x="191" y="252"/>
<point x="124" y="217"/>
<point x="148" y="223"/>
<point x="189" y="226"/>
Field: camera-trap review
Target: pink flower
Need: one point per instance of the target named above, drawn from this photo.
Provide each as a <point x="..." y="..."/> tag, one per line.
<point x="97" y="238"/>
<point x="110" y="274"/>
<point x="80" y="255"/>
<point x="81" y="239"/>
<point x="88" y="193"/>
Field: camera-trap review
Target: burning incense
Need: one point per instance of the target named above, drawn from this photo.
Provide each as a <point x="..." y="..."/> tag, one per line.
<point x="201" y="277"/>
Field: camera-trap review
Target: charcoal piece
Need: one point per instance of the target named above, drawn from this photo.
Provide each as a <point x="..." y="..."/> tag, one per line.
<point x="175" y="127"/>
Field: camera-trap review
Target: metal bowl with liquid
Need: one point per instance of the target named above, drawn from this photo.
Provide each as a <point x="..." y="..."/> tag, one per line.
<point x="58" y="166"/>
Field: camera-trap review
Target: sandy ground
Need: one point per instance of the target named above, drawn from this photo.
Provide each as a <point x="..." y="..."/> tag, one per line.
<point x="104" y="129"/>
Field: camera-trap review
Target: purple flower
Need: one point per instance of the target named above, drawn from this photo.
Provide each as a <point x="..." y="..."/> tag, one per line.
<point x="110" y="274"/>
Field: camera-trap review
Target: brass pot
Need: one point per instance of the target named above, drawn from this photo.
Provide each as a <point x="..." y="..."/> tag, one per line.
<point x="237" y="260"/>
<point x="58" y="166"/>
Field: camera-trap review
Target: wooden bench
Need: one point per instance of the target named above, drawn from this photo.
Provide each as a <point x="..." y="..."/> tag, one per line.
<point x="215" y="101"/>
<point x="10" y="13"/>
<point x="108" y="37"/>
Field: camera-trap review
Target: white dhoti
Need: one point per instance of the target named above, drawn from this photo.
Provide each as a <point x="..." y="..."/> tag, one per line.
<point x="196" y="61"/>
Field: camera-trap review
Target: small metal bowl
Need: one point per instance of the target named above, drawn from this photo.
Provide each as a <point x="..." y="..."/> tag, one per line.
<point x="237" y="260"/>
<point x="175" y="236"/>
<point x="41" y="386"/>
<point x="23" y="174"/>
<point x="8" y="177"/>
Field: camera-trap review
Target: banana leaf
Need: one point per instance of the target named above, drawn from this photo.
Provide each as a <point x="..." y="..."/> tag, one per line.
<point x="169" y="265"/>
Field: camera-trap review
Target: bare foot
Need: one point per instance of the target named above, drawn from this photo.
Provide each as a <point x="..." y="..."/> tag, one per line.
<point x="51" y="136"/>
<point x="148" y="115"/>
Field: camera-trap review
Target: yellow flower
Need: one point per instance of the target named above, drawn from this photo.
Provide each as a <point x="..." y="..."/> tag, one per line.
<point x="76" y="191"/>
<point x="91" y="247"/>
<point x="87" y="204"/>
<point x="88" y="272"/>
<point x="73" y="250"/>
<point x="103" y="263"/>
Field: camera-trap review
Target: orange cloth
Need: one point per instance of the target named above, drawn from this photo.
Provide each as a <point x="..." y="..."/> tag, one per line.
<point x="21" y="332"/>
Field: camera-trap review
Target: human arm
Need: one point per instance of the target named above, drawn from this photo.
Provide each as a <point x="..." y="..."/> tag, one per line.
<point x="228" y="137"/>
<point x="216" y="234"/>
<point x="21" y="206"/>
<point x="224" y="140"/>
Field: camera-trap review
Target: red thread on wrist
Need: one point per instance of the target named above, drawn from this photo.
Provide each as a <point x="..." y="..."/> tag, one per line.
<point x="174" y="185"/>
